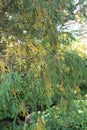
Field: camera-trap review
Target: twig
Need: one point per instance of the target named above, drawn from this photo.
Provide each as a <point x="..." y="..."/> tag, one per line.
<point x="6" y="8"/>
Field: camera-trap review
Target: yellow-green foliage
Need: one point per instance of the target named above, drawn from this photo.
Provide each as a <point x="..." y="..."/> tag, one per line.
<point x="39" y="66"/>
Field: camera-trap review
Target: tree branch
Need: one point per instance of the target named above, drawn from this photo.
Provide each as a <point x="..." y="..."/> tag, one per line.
<point x="7" y="119"/>
<point x="6" y="8"/>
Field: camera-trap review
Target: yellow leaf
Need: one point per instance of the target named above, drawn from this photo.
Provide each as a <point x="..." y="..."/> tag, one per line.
<point x="41" y="124"/>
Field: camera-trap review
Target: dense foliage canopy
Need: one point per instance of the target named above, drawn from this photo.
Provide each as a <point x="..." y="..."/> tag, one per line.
<point x="42" y="74"/>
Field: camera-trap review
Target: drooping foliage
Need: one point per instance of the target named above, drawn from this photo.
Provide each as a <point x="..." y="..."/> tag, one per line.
<point x="40" y="70"/>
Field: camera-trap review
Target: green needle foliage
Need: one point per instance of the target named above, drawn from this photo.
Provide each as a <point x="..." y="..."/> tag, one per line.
<point x="41" y="72"/>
